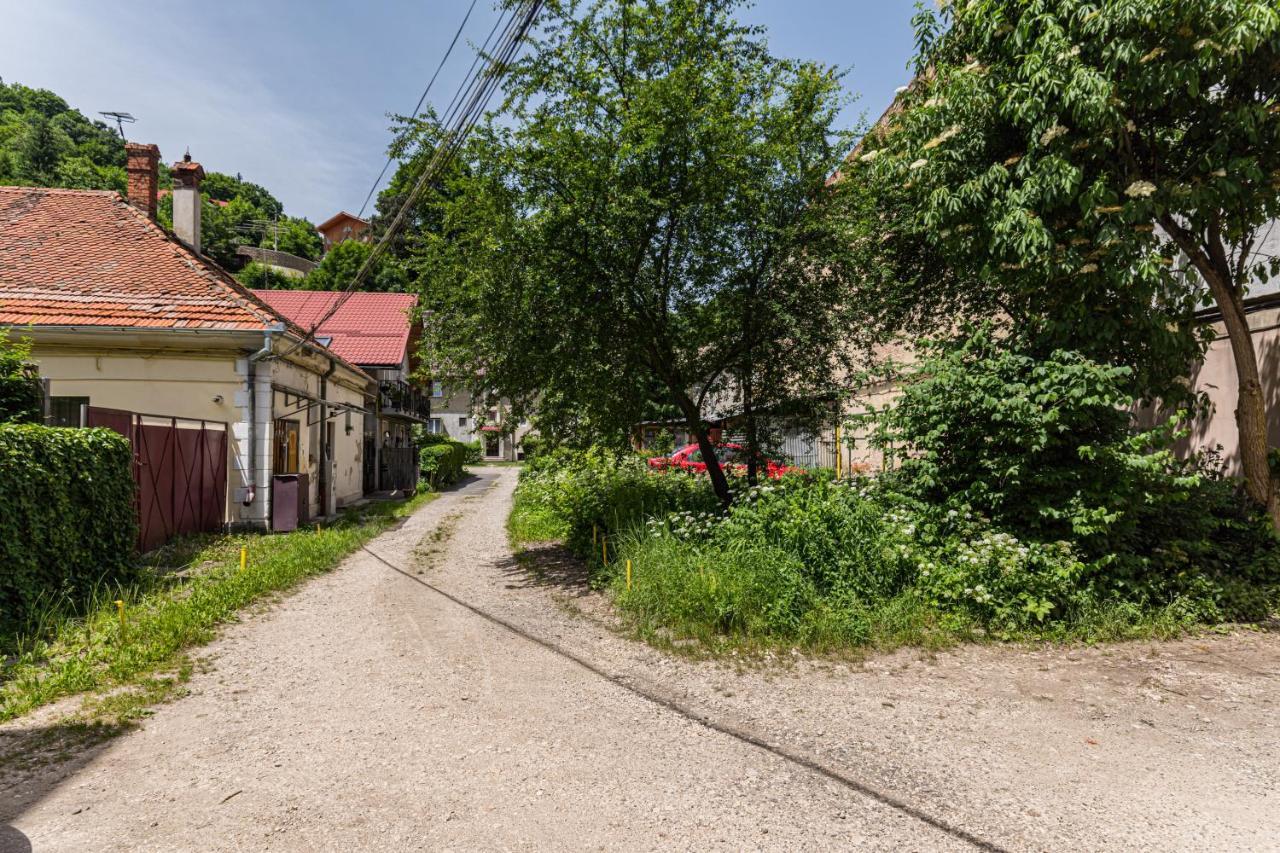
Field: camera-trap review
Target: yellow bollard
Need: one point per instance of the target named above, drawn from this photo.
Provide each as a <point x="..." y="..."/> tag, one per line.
<point x="628" y="574"/>
<point x="244" y="558"/>
<point x="120" y="609"/>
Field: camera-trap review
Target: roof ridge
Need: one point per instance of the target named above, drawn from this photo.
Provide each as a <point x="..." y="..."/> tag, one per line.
<point x="58" y="190"/>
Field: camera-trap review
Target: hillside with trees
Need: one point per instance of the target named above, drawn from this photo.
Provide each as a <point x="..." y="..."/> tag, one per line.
<point x="45" y="142"/>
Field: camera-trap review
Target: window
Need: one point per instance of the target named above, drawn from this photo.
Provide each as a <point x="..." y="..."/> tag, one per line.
<point x="492" y="445"/>
<point x="437" y="390"/>
<point x="462" y="420"/>
<point x="285" y="458"/>
<point x="434" y="426"/>
<point x="65" y="411"/>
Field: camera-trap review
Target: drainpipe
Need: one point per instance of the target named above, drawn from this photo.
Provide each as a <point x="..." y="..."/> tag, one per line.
<point x="252" y="492"/>
<point x="326" y="480"/>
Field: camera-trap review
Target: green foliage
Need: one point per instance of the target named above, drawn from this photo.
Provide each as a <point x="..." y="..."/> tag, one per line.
<point x="297" y="236"/>
<point x="441" y="459"/>
<point x="43" y="142"/>
<point x="264" y="277"/>
<point x="599" y="493"/>
<point x="1039" y="445"/>
<point x="20" y="395"/>
<point x="645" y="220"/>
<point x="343" y="262"/>
<point x="67" y="516"/>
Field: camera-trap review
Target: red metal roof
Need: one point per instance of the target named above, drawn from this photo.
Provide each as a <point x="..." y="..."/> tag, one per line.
<point x="368" y="329"/>
<point x="88" y="258"/>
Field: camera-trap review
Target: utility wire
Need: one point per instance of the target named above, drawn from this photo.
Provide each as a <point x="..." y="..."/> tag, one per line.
<point x="464" y="115"/>
<point x="423" y="99"/>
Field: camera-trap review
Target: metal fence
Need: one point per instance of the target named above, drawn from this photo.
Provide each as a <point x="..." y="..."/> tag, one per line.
<point x="179" y="468"/>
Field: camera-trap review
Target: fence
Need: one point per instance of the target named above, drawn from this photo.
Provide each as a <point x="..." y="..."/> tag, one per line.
<point x="179" y="467"/>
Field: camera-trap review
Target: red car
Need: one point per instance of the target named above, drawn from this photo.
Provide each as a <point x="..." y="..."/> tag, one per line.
<point x="733" y="458"/>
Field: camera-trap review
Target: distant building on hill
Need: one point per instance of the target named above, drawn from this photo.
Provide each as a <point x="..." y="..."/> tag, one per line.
<point x="343" y="226"/>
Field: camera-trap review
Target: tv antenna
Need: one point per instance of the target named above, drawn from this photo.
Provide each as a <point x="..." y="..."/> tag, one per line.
<point x="120" y="118"/>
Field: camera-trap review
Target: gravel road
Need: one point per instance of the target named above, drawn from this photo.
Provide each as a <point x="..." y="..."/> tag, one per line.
<point x="369" y="711"/>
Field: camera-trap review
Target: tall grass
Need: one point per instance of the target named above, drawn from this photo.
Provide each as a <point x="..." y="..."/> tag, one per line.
<point x="66" y="650"/>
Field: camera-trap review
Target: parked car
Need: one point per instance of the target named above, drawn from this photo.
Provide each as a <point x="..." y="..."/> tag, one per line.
<point x="733" y="459"/>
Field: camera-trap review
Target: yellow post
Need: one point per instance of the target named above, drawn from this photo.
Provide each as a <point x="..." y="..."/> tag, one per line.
<point x="244" y="557"/>
<point x="839" y="455"/>
<point x="628" y="574"/>
<point x="120" y="610"/>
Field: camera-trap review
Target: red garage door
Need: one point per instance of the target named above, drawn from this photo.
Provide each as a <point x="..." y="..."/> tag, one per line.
<point x="180" y="468"/>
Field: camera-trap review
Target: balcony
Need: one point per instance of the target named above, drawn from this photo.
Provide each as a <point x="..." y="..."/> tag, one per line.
<point x="399" y="398"/>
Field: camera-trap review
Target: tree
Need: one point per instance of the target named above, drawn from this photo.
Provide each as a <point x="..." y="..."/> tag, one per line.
<point x="297" y="236"/>
<point x="648" y="217"/>
<point x="340" y="265"/>
<point x="1092" y="172"/>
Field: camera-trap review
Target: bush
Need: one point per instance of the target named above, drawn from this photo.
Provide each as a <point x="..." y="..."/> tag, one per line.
<point x="67" y="517"/>
<point x="19" y="385"/>
<point x="474" y="455"/>
<point x="441" y="461"/>
<point x="597" y="492"/>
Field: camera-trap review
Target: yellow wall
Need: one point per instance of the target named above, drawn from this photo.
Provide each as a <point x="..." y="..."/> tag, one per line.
<point x="116" y="371"/>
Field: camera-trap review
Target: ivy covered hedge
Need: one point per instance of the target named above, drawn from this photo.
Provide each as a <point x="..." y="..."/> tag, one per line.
<point x="67" y="517"/>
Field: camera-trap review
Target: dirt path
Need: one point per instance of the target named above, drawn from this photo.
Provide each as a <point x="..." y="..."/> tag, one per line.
<point x="367" y="711"/>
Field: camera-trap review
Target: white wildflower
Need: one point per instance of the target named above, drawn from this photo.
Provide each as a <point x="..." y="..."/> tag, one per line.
<point x="1140" y="189"/>
<point x="1052" y="133"/>
<point x="935" y="101"/>
<point x="1219" y="173"/>
<point x="942" y="137"/>
<point x="1088" y="269"/>
<point x="1068" y="54"/>
<point x="869" y="156"/>
<point x="919" y="163"/>
<point x="900" y="90"/>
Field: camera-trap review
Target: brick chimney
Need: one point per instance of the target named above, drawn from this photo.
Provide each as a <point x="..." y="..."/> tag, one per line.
<point x="186" y="201"/>
<point x="143" y="168"/>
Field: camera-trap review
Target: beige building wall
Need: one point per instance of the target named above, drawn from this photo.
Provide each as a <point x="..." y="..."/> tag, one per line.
<point x="207" y="378"/>
<point x="1216" y="377"/>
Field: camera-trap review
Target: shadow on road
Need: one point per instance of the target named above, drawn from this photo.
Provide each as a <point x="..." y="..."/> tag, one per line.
<point x="35" y="760"/>
<point x="547" y="566"/>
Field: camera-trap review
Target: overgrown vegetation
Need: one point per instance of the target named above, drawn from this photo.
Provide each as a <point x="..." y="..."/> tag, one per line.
<point x="441" y="459"/>
<point x="126" y="634"/>
<point x="1023" y="506"/>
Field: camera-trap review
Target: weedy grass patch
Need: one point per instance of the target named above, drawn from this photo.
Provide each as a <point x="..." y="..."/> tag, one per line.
<point x="132" y="635"/>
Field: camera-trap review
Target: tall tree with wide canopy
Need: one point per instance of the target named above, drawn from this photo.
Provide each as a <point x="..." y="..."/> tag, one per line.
<point x="649" y="212"/>
<point x="1092" y="171"/>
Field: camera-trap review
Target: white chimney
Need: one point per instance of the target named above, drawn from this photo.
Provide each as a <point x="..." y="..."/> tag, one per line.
<point x="186" y="201"/>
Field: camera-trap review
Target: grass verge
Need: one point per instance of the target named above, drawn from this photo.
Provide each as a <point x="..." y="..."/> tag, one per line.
<point x="130" y="643"/>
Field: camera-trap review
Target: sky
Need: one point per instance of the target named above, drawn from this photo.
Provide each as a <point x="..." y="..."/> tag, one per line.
<point x="294" y="94"/>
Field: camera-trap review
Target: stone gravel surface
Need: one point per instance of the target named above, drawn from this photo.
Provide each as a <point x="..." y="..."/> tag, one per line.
<point x="366" y="711"/>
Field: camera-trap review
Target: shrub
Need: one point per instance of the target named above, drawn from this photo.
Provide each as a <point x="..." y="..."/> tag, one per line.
<point x="598" y="492"/>
<point x="67" y="517"/>
<point x="473" y="454"/>
<point x="19" y="385"/>
<point x="441" y="461"/>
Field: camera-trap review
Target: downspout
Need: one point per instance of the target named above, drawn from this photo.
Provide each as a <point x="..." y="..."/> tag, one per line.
<point x="326" y="481"/>
<point x="254" y="358"/>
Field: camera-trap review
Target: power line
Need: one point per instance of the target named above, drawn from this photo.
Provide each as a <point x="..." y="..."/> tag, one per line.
<point x="423" y="99"/>
<point x="466" y="110"/>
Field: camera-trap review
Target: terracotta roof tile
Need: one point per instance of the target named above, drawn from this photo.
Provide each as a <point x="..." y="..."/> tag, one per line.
<point x="87" y="258"/>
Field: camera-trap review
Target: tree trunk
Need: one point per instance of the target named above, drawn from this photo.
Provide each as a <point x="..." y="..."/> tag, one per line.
<point x="694" y="420"/>
<point x="1251" y="406"/>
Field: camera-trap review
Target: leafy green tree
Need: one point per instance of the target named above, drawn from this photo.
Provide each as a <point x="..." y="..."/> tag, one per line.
<point x="340" y="265"/>
<point x="295" y="236"/>
<point x="651" y="215"/>
<point x="1092" y="171"/>
<point x="263" y="277"/>
<point x="228" y="188"/>
<point x="41" y="147"/>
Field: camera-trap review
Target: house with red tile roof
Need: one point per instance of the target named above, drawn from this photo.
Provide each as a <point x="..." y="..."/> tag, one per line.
<point x="375" y="331"/>
<point x="127" y="317"/>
